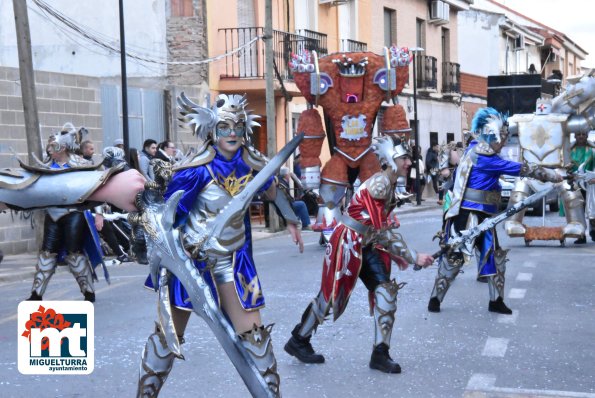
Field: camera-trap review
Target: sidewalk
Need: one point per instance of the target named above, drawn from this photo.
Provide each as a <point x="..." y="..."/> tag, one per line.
<point x="20" y="267"/>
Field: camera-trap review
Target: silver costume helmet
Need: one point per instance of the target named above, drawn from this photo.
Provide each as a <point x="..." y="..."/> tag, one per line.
<point x="388" y="148"/>
<point x="68" y="138"/>
<point x="113" y="152"/>
<point x="227" y="108"/>
<point x="488" y="124"/>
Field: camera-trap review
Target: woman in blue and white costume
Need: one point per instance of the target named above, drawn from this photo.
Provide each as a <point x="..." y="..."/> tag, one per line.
<point x="475" y="197"/>
<point x="223" y="167"/>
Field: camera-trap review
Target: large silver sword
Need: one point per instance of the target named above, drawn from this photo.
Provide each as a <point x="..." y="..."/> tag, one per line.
<point x="167" y="252"/>
<point x="467" y="236"/>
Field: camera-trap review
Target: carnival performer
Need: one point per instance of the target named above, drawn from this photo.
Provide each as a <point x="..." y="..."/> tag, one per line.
<point x="363" y="244"/>
<point x="64" y="227"/>
<point x="475" y="197"/>
<point x="221" y="170"/>
<point x="582" y="154"/>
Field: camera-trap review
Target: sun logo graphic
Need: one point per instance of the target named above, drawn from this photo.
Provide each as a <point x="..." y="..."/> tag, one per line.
<point x="56" y="337"/>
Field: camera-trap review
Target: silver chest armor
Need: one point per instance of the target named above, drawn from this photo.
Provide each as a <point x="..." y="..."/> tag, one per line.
<point x="208" y="204"/>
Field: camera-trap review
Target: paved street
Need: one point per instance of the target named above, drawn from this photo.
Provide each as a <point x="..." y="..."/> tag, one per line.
<point x="545" y="349"/>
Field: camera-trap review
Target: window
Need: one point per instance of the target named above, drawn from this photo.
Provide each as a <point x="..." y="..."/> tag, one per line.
<point x="390" y="27"/>
<point x="420" y="33"/>
<point x="433" y="138"/>
<point x="445" y="45"/>
<point x="182" y="8"/>
<point x="450" y="137"/>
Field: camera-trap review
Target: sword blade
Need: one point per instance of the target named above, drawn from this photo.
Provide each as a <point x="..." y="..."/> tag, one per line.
<point x="489" y="223"/>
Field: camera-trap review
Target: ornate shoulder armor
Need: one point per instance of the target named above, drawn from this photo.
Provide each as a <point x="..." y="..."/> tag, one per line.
<point x="379" y="186"/>
<point x="205" y="155"/>
<point x="253" y="158"/>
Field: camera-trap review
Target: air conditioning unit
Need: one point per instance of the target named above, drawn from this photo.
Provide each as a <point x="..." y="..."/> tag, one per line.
<point x="553" y="58"/>
<point x="519" y="43"/>
<point x="439" y="12"/>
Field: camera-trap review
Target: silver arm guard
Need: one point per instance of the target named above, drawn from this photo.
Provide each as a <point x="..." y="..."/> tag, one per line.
<point x="28" y="190"/>
<point x="540" y="173"/>
<point x="396" y="245"/>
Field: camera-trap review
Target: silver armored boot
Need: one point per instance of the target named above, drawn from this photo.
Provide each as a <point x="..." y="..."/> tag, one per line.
<point x="44" y="269"/>
<point x="385" y="306"/>
<point x="514" y="225"/>
<point x="574" y="208"/>
<point x="258" y="344"/>
<point x="496" y="284"/>
<point x="156" y="363"/>
<point x="78" y="265"/>
<point x="448" y="269"/>
<point x="299" y="344"/>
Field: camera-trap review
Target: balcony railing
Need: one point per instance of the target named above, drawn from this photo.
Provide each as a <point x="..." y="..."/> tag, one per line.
<point x="427" y="79"/>
<point x="451" y="75"/>
<point x="349" y="45"/>
<point x="249" y="63"/>
<point x="318" y="43"/>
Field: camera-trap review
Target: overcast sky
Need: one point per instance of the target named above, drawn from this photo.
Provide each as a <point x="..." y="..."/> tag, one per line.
<point x="572" y="17"/>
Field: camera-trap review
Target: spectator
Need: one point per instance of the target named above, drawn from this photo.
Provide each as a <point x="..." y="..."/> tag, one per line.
<point x="432" y="165"/>
<point x="298" y="206"/>
<point x="412" y="183"/>
<point x="119" y="143"/>
<point x="297" y="166"/>
<point x="148" y="153"/>
<point x="87" y="150"/>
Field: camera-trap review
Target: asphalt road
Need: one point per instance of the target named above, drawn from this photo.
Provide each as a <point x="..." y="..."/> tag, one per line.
<point x="545" y="349"/>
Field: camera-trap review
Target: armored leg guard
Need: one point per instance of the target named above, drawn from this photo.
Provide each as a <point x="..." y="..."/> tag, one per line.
<point x="299" y="344"/>
<point x="574" y="207"/>
<point x="385" y="306"/>
<point x="139" y="245"/>
<point x="447" y="271"/>
<point x="329" y="214"/>
<point x="156" y="363"/>
<point x="44" y="269"/>
<point x="514" y="225"/>
<point x="77" y="262"/>
<point x="259" y="346"/>
<point x="496" y="284"/>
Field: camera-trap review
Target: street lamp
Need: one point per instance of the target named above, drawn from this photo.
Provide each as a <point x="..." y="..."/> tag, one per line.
<point x="415" y="50"/>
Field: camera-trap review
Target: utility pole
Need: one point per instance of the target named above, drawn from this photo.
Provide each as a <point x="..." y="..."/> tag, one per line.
<point x="125" y="137"/>
<point x="28" y="95"/>
<point x="270" y="99"/>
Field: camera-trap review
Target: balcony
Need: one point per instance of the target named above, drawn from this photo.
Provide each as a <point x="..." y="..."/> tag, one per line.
<point x="317" y="41"/>
<point x="349" y="45"/>
<point x="249" y="63"/>
<point x="427" y="79"/>
<point x="451" y="83"/>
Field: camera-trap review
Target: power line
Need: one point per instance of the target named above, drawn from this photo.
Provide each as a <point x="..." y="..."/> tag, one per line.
<point x="72" y="25"/>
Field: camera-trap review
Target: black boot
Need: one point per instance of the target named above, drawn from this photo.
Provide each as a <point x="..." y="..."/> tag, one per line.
<point x="301" y="348"/>
<point x="34" y="297"/>
<point x="581" y="241"/>
<point x="499" y="307"/>
<point x="382" y="361"/>
<point x="434" y="305"/>
<point x="90" y="296"/>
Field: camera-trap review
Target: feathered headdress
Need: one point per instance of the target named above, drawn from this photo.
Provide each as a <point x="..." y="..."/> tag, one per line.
<point x="227" y="107"/>
<point x="487" y="125"/>
<point x="388" y="148"/>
